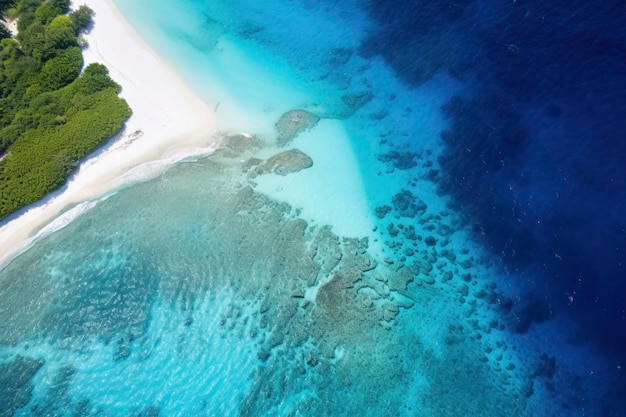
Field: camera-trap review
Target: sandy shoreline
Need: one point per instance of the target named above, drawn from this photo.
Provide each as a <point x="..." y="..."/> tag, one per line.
<point x="166" y="115"/>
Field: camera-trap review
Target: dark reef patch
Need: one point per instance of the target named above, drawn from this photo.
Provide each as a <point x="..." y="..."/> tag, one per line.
<point x="407" y="204"/>
<point x="401" y="160"/>
<point x="15" y="386"/>
<point x="57" y="396"/>
<point x="352" y="103"/>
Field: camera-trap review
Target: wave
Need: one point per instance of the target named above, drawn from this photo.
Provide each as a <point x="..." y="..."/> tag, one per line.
<point x="141" y="173"/>
<point x="152" y="169"/>
<point x="64" y="219"/>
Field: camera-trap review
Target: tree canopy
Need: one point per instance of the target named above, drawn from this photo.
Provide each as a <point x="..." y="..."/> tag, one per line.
<point x="51" y="114"/>
<point x="81" y="18"/>
<point x="5" y="4"/>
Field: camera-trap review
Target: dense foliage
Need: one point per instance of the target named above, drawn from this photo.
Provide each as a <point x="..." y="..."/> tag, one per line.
<point x="51" y="114"/>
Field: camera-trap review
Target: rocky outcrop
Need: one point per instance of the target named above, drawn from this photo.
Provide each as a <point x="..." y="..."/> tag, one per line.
<point x="400" y="280"/>
<point x="233" y="145"/>
<point x="292" y="123"/>
<point x="285" y="163"/>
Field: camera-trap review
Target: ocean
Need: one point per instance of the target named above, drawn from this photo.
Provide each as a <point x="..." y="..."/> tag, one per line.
<point x="416" y="210"/>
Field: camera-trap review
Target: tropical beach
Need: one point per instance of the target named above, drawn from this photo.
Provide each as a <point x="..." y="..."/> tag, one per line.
<point x="329" y="209"/>
<point x="166" y="112"/>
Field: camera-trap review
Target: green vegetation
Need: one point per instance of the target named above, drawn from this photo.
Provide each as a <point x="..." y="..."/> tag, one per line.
<point x="51" y="114"/>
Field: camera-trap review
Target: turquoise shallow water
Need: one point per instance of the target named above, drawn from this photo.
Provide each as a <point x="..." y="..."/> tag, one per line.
<point x="207" y="297"/>
<point x="221" y="287"/>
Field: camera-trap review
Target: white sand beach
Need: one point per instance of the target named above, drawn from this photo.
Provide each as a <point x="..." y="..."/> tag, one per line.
<point x="167" y="115"/>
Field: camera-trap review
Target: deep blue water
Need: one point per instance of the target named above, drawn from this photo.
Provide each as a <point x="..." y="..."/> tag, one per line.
<point x="456" y="248"/>
<point x="535" y="148"/>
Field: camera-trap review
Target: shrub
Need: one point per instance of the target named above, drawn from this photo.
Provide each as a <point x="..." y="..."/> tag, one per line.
<point x="51" y="116"/>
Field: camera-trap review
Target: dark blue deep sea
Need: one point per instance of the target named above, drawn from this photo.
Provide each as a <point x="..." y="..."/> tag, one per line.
<point x="418" y="208"/>
<point x="534" y="153"/>
<point x="533" y="156"/>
